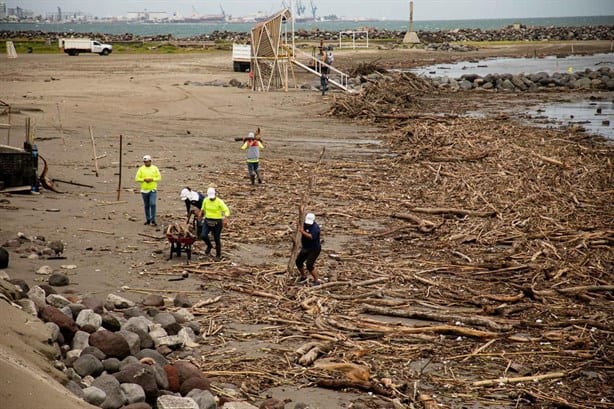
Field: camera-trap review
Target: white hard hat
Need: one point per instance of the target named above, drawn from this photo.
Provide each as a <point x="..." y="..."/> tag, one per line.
<point x="185" y="194"/>
<point x="310" y="218"/>
<point x="211" y="193"/>
<point x="250" y="135"/>
<point x="146" y="158"/>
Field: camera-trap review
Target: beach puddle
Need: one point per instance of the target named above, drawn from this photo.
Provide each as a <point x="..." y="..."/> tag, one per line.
<point x="549" y="64"/>
<point x="596" y="117"/>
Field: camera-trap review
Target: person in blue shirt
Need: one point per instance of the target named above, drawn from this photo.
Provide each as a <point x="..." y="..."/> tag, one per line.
<point x="310" y="249"/>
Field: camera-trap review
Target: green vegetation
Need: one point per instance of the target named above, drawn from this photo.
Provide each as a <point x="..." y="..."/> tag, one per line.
<point x="42" y="46"/>
<point x="36" y="46"/>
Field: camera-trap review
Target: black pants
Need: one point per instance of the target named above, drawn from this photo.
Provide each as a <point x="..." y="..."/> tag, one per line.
<point x="217" y="233"/>
<point x="308" y="256"/>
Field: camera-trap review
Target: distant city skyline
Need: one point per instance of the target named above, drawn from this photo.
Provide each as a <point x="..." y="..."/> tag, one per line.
<point x="383" y="9"/>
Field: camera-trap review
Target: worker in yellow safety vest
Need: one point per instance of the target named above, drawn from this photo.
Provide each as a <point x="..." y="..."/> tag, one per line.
<point x="214" y="213"/>
<point x="148" y="176"/>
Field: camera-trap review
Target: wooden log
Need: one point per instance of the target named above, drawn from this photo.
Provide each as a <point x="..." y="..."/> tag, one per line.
<point x="352" y="372"/>
<point x="424" y="226"/>
<point x="119" y="183"/>
<point x="535" y="378"/>
<point x="343" y="384"/>
<point x="479" y="349"/>
<point x="574" y="290"/>
<point x="454" y="211"/>
<point x="94" y="151"/>
<point x="468" y="158"/>
<point x="57" y="105"/>
<point x="439" y="317"/>
<point x="256" y="293"/>
<point x="310" y="356"/>
<point x="97" y="231"/>
<point x="70" y="182"/>
<point x="427" y="401"/>
<point x="551" y="160"/>
<point x="151" y="236"/>
<point x="296" y="243"/>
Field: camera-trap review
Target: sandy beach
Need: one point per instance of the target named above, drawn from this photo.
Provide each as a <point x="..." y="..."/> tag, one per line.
<point x="161" y="107"/>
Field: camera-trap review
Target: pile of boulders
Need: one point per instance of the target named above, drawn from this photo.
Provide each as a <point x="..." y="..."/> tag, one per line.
<point x="449" y="47"/>
<point x="35" y="247"/>
<point x="601" y="79"/>
<point x="520" y="33"/>
<point x="117" y="354"/>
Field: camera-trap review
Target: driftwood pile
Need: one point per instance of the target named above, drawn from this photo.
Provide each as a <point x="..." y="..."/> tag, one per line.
<point x="468" y="264"/>
<point x="180" y="230"/>
<point x="384" y="94"/>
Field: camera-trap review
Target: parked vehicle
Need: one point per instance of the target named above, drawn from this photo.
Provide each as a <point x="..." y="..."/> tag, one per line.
<point x="74" y="46"/>
<point x="241" y="57"/>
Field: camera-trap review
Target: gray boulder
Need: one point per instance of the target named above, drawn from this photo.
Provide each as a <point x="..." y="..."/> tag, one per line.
<point x="133" y="392"/>
<point x="89" y="321"/>
<point x="204" y="399"/>
<point x="80" y="340"/>
<point x="110" y="385"/>
<point x="38" y="296"/>
<point x="94" y="395"/>
<point x="88" y="365"/>
<point x="176" y="402"/>
<point x="58" y="280"/>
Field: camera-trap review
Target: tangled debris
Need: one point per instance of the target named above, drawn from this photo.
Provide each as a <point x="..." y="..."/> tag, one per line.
<point x="396" y="92"/>
<point x="473" y="266"/>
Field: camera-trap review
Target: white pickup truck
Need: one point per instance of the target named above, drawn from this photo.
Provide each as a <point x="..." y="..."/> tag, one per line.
<point x="241" y="57"/>
<point x="74" y="46"/>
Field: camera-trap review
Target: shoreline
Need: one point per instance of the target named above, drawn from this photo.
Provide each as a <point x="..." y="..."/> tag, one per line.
<point x="519" y="33"/>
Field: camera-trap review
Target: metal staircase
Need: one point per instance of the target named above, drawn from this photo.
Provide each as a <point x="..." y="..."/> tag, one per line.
<point x="305" y="61"/>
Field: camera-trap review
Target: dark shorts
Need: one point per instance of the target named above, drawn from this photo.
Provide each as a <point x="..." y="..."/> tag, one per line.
<point x="307" y="257"/>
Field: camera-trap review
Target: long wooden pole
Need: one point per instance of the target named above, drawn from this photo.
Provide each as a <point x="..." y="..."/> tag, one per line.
<point x="28" y="133"/>
<point x="94" y="151"/>
<point x="119" y="184"/>
<point x="8" y="132"/>
<point x="296" y="243"/>
<point x="57" y="105"/>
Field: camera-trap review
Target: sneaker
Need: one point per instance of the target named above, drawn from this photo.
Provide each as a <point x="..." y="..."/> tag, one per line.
<point x="316" y="283"/>
<point x="146" y="223"/>
<point x="208" y="251"/>
<point x="302" y="280"/>
<point x="217" y="258"/>
<point x="154" y="224"/>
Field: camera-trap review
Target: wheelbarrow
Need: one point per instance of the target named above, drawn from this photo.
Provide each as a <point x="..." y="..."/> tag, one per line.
<point x="181" y="244"/>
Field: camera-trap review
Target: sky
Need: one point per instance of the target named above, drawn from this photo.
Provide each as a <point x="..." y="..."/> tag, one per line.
<point x="388" y="9"/>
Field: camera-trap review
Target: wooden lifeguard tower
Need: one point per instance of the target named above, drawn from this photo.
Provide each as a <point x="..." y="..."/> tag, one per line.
<point x="273" y="56"/>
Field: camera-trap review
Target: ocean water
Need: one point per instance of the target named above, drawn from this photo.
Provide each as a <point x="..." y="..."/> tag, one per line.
<point x="549" y="64"/>
<point x="185" y="30"/>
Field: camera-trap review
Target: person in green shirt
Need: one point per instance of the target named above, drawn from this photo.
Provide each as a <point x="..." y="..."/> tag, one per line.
<point x="214" y="213"/>
<point x="148" y="176"/>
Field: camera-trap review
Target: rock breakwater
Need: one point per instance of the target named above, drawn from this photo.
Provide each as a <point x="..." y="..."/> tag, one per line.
<point x="582" y="33"/>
